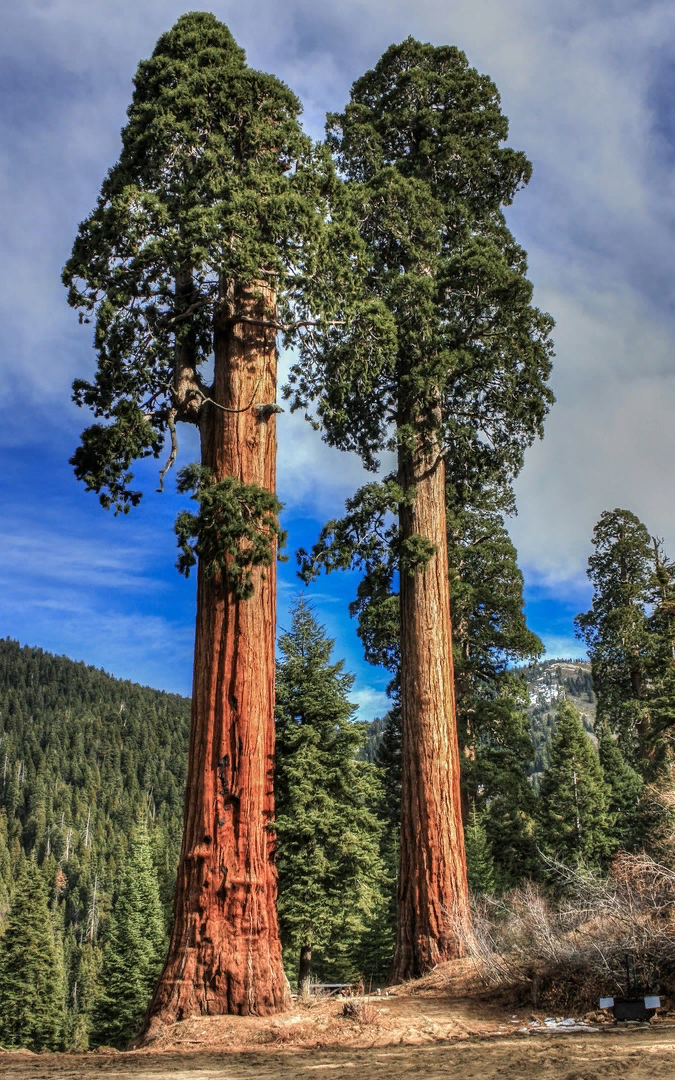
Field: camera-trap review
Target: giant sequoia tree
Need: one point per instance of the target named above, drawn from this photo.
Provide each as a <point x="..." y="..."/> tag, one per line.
<point x="463" y="373"/>
<point x="205" y="235"/>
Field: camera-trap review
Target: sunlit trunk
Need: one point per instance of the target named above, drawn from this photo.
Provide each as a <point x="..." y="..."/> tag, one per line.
<point x="225" y="952"/>
<point x="433" y="906"/>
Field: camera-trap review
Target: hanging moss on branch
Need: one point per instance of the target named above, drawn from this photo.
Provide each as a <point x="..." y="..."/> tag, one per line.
<point x="236" y="529"/>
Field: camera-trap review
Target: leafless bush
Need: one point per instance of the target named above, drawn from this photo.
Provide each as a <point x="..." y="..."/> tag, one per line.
<point x="570" y="953"/>
<point x="361" y="1010"/>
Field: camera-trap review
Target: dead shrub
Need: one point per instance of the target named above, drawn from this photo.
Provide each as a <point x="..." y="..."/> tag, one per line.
<point x="565" y="955"/>
<point x="361" y="1010"/>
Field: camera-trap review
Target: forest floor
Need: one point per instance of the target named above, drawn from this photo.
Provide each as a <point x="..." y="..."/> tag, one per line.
<point x="441" y="1026"/>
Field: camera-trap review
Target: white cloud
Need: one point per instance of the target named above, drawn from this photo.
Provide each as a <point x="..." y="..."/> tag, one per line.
<point x="558" y="646"/>
<point x="371" y="702"/>
<point x="577" y="81"/>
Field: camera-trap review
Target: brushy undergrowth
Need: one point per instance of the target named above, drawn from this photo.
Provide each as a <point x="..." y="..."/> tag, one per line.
<point x="564" y="955"/>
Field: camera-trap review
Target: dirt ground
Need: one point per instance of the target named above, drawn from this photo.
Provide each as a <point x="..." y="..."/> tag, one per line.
<point x="441" y="1027"/>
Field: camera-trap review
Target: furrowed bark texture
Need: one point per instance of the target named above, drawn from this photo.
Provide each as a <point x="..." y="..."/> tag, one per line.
<point x="433" y="902"/>
<point x="225" y="952"/>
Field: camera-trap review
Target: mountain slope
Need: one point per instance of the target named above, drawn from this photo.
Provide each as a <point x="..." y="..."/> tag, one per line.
<point x="82" y="754"/>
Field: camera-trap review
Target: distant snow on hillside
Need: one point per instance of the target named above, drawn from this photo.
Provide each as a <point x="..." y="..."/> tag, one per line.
<point x="550" y="682"/>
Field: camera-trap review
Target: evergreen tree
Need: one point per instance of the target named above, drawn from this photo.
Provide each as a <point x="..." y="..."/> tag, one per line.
<point x="84" y="993"/>
<point x="331" y="875"/>
<point x="630" y="636"/>
<point x="574" y="823"/>
<point x="455" y="365"/>
<point x="212" y="233"/>
<point x="616" y="629"/>
<point x="498" y="774"/>
<point x="31" y="970"/>
<point x="625" y="787"/>
<point x="479" y="861"/>
<point x="134" y="951"/>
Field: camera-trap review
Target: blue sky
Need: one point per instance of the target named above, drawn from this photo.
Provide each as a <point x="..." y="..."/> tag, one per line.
<point x="590" y="92"/>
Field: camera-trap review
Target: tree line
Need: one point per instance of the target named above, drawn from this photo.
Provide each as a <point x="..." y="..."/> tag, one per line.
<point x="90" y="833"/>
<point x="382" y="255"/>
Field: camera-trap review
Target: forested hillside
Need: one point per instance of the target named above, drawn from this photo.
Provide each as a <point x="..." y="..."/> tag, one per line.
<point x="84" y="758"/>
<point x="548" y="683"/>
<point x="83" y="754"/>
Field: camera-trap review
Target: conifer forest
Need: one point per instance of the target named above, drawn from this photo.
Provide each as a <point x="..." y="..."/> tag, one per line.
<point x="164" y="857"/>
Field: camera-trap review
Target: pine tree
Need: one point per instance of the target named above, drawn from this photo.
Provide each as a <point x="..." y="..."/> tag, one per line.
<point x="498" y="774"/>
<point x="86" y="988"/>
<point x="331" y="875"/>
<point x="479" y="862"/>
<point x="212" y="234"/>
<point x="616" y="629"/>
<point x="625" y="787"/>
<point x="134" y="951"/>
<point x="454" y="345"/>
<point x="31" y="973"/>
<point x="574" y="823"/>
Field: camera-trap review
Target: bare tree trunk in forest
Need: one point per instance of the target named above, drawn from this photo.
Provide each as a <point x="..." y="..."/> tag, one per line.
<point x="305" y="970"/>
<point x="433" y="893"/>
<point x="225" y="952"/>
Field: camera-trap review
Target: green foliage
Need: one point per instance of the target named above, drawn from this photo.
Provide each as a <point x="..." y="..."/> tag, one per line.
<point x="625" y="790"/>
<point x="479" y="862"/>
<point x="31" y="969"/>
<point x="331" y="875"/>
<point x="490" y="633"/>
<point x="82" y="755"/>
<point x="496" y="777"/>
<point x="216" y="186"/>
<point x="630" y="636"/>
<point x="86" y="963"/>
<point x="134" y="950"/>
<point x="235" y="529"/>
<point x="454" y="353"/>
<point x="574" y="821"/>
<point x="616" y="630"/>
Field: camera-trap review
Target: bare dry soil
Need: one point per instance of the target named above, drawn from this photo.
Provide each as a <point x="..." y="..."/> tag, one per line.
<point x="443" y="1026"/>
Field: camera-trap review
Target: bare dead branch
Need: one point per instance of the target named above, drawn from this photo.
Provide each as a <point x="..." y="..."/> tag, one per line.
<point x="171" y="422"/>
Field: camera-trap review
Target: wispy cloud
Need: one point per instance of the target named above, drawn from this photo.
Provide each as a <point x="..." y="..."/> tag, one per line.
<point x="589" y="90"/>
<point x="371" y="702"/>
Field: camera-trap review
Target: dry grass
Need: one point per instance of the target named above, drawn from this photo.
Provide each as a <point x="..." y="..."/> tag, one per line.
<point x="565" y="957"/>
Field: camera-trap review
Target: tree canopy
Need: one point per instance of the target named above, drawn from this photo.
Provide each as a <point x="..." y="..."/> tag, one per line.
<point x="216" y="187"/>
<point x="452" y="324"/>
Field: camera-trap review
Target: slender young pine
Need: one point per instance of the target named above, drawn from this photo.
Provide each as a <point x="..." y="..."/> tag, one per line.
<point x="134" y="951"/>
<point x="331" y="874"/>
<point x="629" y="634"/>
<point x="206" y="234"/>
<point x="574" y="820"/>
<point x="463" y="373"/>
<point x="31" y="978"/>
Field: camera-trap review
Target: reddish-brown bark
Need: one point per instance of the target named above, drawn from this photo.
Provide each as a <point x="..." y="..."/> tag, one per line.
<point x="225" y="952"/>
<point x="433" y="903"/>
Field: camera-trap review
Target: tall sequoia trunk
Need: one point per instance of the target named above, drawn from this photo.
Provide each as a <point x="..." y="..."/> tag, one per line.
<point x="225" y="952"/>
<point x="433" y="903"/>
